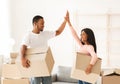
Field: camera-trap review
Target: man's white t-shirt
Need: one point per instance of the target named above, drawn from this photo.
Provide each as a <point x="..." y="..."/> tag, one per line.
<point x="32" y="40"/>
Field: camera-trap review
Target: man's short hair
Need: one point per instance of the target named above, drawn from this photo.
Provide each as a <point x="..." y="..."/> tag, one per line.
<point x="36" y="18"/>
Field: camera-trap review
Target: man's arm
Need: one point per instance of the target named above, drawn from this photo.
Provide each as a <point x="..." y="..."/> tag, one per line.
<point x="61" y="28"/>
<point x="23" y="50"/>
<point x="25" y="62"/>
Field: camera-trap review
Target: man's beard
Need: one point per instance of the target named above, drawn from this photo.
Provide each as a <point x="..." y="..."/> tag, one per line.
<point x="41" y="30"/>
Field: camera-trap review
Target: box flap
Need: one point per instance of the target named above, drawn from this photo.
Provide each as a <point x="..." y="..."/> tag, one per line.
<point x="117" y="71"/>
<point x="108" y="72"/>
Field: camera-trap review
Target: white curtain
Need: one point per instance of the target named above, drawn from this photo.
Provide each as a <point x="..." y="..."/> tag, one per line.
<point x="5" y="41"/>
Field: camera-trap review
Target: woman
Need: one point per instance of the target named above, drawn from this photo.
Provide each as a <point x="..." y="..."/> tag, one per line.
<point x="87" y="45"/>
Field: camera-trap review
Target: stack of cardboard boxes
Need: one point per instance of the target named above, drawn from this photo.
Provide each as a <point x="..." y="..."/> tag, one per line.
<point x="11" y="74"/>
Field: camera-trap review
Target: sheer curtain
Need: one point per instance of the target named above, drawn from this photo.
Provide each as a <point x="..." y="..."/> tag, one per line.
<point x="5" y="41"/>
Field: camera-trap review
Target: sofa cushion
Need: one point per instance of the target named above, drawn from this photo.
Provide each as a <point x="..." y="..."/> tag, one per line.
<point x="63" y="74"/>
<point x="54" y="77"/>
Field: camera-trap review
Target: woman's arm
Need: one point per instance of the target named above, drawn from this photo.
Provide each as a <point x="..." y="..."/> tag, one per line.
<point x="62" y="26"/>
<point x="72" y="30"/>
<point x="93" y="59"/>
<point x="93" y="55"/>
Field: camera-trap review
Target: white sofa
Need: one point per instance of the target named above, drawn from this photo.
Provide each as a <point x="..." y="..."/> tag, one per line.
<point x="63" y="76"/>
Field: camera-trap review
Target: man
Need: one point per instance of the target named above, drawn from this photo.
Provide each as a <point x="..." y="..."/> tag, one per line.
<point x="38" y="38"/>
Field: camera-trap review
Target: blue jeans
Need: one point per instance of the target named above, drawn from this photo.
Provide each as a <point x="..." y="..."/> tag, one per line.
<point x="43" y="80"/>
<point x="82" y="82"/>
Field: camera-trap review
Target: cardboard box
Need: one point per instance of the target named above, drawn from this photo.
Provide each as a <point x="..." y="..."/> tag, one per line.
<point x="111" y="76"/>
<point x="10" y="71"/>
<point x="41" y="64"/>
<point x="15" y="81"/>
<point x="80" y="64"/>
<point x="1" y="63"/>
<point x="13" y="56"/>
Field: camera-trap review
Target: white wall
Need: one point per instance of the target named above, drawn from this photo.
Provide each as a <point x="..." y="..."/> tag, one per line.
<point x="22" y="12"/>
